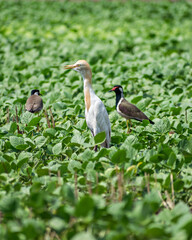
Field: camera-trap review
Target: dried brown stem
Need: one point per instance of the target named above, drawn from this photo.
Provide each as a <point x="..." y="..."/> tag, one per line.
<point x="97" y="182"/>
<point x="186" y="120"/>
<point x="120" y="187"/>
<point x="52" y="119"/>
<point x="76" y="188"/>
<point x="47" y="118"/>
<point x="8" y="116"/>
<point x="59" y="177"/>
<point x="112" y="192"/>
<point x="164" y="203"/>
<point x="1" y="217"/>
<point x="169" y="201"/>
<point x="89" y="187"/>
<point x="147" y="182"/>
<point x="172" y="188"/>
<point x="21" y="109"/>
<point x="17" y="119"/>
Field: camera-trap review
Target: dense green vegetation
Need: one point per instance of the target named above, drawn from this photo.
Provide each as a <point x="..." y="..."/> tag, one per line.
<point x="52" y="184"/>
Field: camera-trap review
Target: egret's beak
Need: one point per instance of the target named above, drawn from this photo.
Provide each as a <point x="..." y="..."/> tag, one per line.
<point x="69" y="66"/>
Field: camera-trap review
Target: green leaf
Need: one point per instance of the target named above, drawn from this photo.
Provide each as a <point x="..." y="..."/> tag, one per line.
<point x="32" y="228"/>
<point x="34" y="121"/>
<point x="100" y="138"/>
<point x="57" y="224"/>
<point x="40" y="141"/>
<point x="49" y="132"/>
<point x="162" y="125"/>
<point x="27" y="117"/>
<point x="84" y="236"/>
<point x="13" y="127"/>
<point x="119" y="156"/>
<point x="74" y="165"/>
<point x="4" y="166"/>
<point x="8" y="204"/>
<point x="57" y="149"/>
<point x="84" y="206"/>
<point x="172" y="159"/>
<point x="16" y="142"/>
<point x="42" y="171"/>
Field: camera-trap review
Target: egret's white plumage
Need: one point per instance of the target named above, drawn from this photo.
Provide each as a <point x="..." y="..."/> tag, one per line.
<point x="96" y="115"/>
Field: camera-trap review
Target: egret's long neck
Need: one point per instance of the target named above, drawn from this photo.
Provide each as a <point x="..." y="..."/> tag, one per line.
<point x="87" y="92"/>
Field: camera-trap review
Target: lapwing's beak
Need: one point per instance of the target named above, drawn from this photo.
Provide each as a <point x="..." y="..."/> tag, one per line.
<point x="69" y="66"/>
<point x="113" y="89"/>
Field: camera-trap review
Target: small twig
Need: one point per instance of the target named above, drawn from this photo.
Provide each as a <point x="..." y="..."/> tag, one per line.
<point x="120" y="188"/>
<point x="172" y="188"/>
<point x="112" y="192"/>
<point x="147" y="182"/>
<point x="49" y="173"/>
<point x="59" y="177"/>
<point x="76" y="188"/>
<point x="8" y="116"/>
<point x="21" y="109"/>
<point x="54" y="235"/>
<point x="52" y="119"/>
<point x="88" y="183"/>
<point x="17" y="119"/>
<point x="169" y="202"/>
<point x="164" y="203"/>
<point x="47" y="118"/>
<point x="18" y="130"/>
<point x="186" y="120"/>
<point x="1" y="217"/>
<point x="97" y="182"/>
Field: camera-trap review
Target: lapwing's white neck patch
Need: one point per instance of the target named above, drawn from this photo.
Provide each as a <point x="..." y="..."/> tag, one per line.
<point x="120" y="89"/>
<point x="36" y="93"/>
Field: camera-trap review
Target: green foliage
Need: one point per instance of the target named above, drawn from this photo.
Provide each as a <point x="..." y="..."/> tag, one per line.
<point x="52" y="184"/>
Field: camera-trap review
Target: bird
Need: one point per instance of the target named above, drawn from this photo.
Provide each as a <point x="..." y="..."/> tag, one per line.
<point x="126" y="109"/>
<point x="96" y="115"/>
<point x="34" y="103"/>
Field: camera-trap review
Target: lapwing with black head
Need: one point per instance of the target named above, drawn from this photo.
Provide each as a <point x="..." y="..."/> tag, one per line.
<point x="126" y="109"/>
<point x="34" y="103"/>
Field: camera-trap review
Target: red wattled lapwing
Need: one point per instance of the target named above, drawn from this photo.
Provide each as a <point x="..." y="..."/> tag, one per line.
<point x="126" y="109"/>
<point x="96" y="115"/>
<point x="34" y="103"/>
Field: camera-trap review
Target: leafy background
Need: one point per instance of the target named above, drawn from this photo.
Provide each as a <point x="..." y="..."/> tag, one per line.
<point x="52" y="184"/>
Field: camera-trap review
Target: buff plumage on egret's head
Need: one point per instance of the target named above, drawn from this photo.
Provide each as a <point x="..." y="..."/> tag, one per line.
<point x="83" y="68"/>
<point x="96" y="115"/>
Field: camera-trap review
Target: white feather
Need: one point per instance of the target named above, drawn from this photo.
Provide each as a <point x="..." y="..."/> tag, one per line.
<point x="95" y="112"/>
<point x="97" y="118"/>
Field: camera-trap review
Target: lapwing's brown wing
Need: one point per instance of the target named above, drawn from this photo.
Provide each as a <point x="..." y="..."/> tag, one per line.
<point x="34" y="104"/>
<point x="131" y="111"/>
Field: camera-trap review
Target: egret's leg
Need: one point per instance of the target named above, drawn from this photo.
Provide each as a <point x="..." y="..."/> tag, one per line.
<point x="95" y="148"/>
